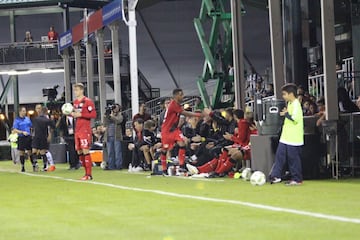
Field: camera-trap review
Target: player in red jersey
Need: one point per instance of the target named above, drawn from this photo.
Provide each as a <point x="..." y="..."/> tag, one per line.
<point x="170" y="132"/>
<point x="84" y="111"/>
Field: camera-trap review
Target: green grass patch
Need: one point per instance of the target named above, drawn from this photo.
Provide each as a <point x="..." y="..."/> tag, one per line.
<point x="46" y="208"/>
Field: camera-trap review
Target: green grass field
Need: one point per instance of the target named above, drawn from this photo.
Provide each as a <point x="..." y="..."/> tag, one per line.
<point x="119" y="205"/>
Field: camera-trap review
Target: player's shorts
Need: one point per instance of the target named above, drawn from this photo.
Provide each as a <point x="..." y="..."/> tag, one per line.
<point x="168" y="140"/>
<point x="24" y="143"/>
<point x="82" y="140"/>
<point x="40" y="143"/>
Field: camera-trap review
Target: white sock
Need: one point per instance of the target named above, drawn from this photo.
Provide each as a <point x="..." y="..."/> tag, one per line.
<point x="50" y="158"/>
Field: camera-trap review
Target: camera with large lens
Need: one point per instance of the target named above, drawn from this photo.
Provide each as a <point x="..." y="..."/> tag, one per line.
<point x="108" y="109"/>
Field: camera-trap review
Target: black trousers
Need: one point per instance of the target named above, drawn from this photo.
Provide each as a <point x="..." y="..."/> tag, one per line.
<point x="70" y="147"/>
<point x="137" y="157"/>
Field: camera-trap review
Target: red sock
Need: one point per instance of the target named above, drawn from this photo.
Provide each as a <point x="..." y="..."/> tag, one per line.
<point x="163" y="161"/>
<point x="222" y="159"/>
<point x="224" y="154"/>
<point x="209" y="166"/>
<point x="181" y="156"/>
<point x="226" y="166"/>
<point x="88" y="165"/>
<point x="82" y="160"/>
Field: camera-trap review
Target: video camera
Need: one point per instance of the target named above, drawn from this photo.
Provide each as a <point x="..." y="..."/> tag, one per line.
<point x="51" y="93"/>
<point x="109" y="109"/>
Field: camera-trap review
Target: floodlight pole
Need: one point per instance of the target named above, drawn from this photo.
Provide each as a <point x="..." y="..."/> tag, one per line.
<point x="134" y="81"/>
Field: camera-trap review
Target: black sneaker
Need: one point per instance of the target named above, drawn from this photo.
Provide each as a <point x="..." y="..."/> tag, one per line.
<point x="213" y="175"/>
<point x="22" y="169"/>
<point x="147" y="167"/>
<point x="222" y="175"/>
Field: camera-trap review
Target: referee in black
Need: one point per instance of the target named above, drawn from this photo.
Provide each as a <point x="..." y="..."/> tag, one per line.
<point x="22" y="125"/>
<point x="41" y="136"/>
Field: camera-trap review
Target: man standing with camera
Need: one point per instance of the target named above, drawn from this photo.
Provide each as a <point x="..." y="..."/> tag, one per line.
<point x="114" y="135"/>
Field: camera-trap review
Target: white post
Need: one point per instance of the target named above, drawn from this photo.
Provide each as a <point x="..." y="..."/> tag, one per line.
<point x="89" y="59"/>
<point x="89" y="70"/>
<point x="277" y="52"/>
<point x="67" y="76"/>
<point x="329" y="53"/>
<point x="114" y="27"/>
<point x="77" y="55"/>
<point x="237" y="39"/>
<point x="133" y="57"/>
<point x="101" y="67"/>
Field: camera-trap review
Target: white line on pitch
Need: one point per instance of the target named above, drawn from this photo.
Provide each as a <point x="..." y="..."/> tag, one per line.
<point x="146" y="175"/>
<point x="208" y="199"/>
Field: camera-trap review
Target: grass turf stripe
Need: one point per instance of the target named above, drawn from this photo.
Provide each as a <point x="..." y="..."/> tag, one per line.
<point x="208" y="199"/>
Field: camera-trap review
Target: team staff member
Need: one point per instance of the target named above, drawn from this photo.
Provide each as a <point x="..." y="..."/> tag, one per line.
<point x="84" y="111"/>
<point x="41" y="137"/>
<point x="22" y="126"/>
<point x="66" y="125"/>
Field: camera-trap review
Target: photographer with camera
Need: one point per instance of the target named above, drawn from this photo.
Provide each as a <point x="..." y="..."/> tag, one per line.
<point x="113" y="136"/>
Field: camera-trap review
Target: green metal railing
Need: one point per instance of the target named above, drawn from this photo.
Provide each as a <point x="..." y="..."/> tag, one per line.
<point x="217" y="49"/>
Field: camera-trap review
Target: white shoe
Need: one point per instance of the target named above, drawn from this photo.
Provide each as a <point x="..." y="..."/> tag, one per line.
<point x="138" y="169"/>
<point x="192" y="169"/>
<point x="275" y="180"/>
<point x="130" y="168"/>
<point x="200" y="175"/>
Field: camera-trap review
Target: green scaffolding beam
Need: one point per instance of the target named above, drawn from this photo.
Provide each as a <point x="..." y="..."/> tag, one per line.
<point x="217" y="49"/>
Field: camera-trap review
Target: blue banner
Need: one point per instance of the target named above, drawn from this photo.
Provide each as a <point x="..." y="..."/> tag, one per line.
<point x="65" y="40"/>
<point x="112" y="12"/>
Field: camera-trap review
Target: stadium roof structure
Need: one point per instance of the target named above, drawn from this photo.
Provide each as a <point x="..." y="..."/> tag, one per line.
<point x="92" y="4"/>
<point x="10" y="4"/>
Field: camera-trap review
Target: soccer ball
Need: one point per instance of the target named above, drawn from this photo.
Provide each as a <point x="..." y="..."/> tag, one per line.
<point x="103" y="165"/>
<point x="67" y="108"/>
<point x="258" y="178"/>
<point x="245" y="174"/>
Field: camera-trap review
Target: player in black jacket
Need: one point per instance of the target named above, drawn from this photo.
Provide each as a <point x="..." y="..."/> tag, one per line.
<point x="41" y="138"/>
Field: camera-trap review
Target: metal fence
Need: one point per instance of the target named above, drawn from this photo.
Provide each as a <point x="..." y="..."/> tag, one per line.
<point x="33" y="52"/>
<point x="346" y="77"/>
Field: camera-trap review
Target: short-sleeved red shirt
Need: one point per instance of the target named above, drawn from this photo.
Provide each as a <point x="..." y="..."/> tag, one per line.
<point x="171" y="118"/>
<point x="87" y="109"/>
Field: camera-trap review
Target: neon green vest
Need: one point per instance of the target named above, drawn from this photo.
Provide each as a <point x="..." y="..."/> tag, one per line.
<point x="293" y="131"/>
<point x="13" y="138"/>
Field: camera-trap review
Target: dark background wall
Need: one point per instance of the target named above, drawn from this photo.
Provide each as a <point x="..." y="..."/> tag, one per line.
<point x="171" y="23"/>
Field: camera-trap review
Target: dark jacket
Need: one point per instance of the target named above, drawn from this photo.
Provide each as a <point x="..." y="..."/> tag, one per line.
<point x="149" y="138"/>
<point x="64" y="128"/>
<point x="118" y="120"/>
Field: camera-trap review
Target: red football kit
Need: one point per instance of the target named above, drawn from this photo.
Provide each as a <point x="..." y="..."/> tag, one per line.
<point x="170" y="132"/>
<point x="242" y="138"/>
<point x="83" y="134"/>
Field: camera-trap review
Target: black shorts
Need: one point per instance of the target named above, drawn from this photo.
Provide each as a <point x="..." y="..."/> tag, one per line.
<point x="40" y="143"/>
<point x="24" y="143"/>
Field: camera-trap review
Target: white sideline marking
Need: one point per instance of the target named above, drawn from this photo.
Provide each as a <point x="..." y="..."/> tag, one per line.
<point x="177" y="177"/>
<point x="208" y="199"/>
